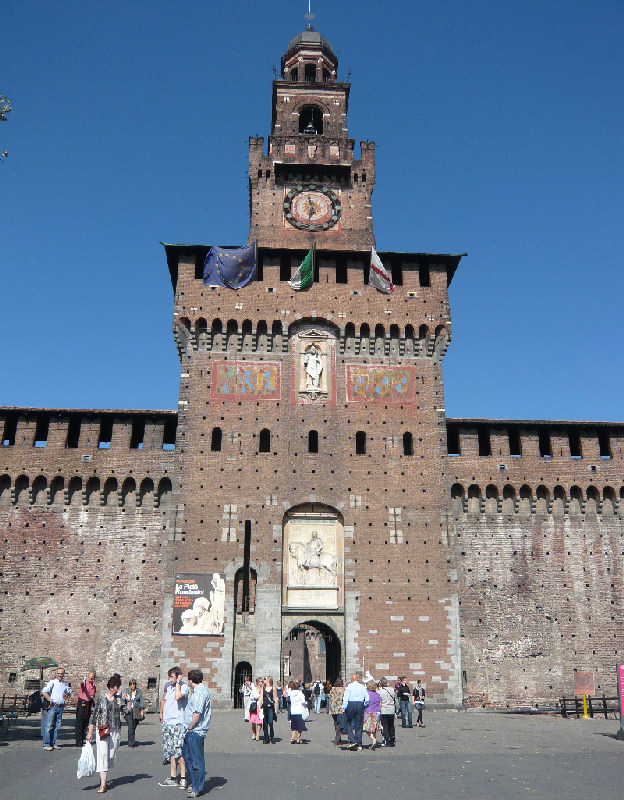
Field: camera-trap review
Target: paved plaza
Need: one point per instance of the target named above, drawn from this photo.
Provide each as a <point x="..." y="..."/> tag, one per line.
<point x="479" y="756"/>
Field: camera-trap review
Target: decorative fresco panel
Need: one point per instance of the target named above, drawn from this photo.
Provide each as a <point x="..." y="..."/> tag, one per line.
<point x="377" y="384"/>
<point x="248" y="380"/>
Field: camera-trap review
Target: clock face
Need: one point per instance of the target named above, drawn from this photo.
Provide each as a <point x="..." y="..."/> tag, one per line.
<point x="312" y="207"/>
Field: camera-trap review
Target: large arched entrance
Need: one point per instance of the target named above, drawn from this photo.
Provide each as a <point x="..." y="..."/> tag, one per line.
<point x="242" y="671"/>
<point x="311" y="650"/>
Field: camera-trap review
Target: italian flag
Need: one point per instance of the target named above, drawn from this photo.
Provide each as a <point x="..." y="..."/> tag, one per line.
<point x="302" y="279"/>
<point x="378" y="275"/>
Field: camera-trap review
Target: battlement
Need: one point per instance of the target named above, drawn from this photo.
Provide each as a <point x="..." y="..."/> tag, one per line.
<point x="535" y="467"/>
<point x="414" y="321"/>
<point x="88" y="431"/>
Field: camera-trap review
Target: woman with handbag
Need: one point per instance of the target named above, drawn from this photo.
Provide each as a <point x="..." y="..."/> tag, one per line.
<point x="268" y="701"/>
<point x="255" y="710"/>
<point x="134" y="710"/>
<point x="297" y="707"/>
<point x="106" y="721"/>
<point x="335" y="709"/>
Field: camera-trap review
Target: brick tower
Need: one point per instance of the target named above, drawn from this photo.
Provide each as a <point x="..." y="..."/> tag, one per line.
<point x="310" y="182"/>
<point x="311" y="427"/>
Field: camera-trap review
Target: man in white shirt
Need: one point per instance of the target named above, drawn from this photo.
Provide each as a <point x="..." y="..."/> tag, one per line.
<point x="172" y="705"/>
<point x="353" y="703"/>
<point x="56" y="693"/>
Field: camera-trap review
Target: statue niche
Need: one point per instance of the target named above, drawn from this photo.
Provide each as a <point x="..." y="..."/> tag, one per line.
<point x="313" y="366"/>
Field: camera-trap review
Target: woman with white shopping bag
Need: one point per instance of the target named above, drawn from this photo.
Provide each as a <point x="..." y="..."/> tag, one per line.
<point x="106" y="720"/>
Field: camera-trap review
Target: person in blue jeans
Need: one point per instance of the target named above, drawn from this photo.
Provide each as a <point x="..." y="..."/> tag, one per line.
<point x="318" y="691"/>
<point x="354" y="701"/>
<point x="404" y="696"/>
<point x="56" y="692"/>
<point x="196" y="724"/>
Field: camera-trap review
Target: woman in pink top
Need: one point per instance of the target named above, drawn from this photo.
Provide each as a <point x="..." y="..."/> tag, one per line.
<point x="372" y="714"/>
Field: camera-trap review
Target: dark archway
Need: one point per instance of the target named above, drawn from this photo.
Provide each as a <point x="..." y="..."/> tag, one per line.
<point x="242" y="671"/>
<point x="311" y="650"/>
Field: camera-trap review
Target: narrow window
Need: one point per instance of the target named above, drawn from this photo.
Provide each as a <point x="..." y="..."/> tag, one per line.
<point x="169" y="433"/>
<point x="574" y="441"/>
<point x="294" y="74"/>
<point x="360" y="443"/>
<point x="423" y="274"/>
<point x="604" y="443"/>
<point x="265" y="441"/>
<point x="41" y="430"/>
<point x="10" y="430"/>
<point x="310" y="73"/>
<point x="341" y="269"/>
<point x="397" y="272"/>
<point x="326" y="76"/>
<point x="452" y="440"/>
<point x="408" y="444"/>
<point x="215" y="440"/>
<point x="544" y="444"/>
<point x="483" y="434"/>
<point x="284" y="267"/>
<point x="138" y="433"/>
<point x="312" y="441"/>
<point x="515" y="449"/>
<point x="106" y="433"/>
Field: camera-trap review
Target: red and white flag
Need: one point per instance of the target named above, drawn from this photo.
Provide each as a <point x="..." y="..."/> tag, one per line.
<point x="378" y="275"/>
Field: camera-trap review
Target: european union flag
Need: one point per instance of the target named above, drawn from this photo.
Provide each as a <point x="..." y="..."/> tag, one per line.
<point x="232" y="267"/>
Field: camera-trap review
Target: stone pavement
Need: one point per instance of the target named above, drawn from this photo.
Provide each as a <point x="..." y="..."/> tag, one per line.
<point x="467" y="756"/>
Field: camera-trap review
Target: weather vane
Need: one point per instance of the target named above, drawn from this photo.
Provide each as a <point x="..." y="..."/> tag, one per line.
<point x="309" y="16"/>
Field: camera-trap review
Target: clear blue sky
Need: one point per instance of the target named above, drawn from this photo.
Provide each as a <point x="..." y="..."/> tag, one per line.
<point x="499" y="133"/>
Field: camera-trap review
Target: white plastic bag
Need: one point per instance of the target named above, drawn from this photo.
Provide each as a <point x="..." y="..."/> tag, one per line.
<point x="305" y="714"/>
<point x="86" y="762"/>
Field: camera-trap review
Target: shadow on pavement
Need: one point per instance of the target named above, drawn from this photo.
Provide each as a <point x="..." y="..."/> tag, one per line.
<point x="121" y="781"/>
<point x="214" y="783"/>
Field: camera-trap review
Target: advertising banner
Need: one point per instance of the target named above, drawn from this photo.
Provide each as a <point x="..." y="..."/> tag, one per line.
<point x="199" y="604"/>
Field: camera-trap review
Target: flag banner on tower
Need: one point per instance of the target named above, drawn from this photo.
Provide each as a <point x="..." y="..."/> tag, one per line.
<point x="378" y="275"/>
<point x="302" y="279"/>
<point x="233" y="267"/>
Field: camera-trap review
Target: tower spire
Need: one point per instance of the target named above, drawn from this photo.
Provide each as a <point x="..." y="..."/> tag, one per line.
<point x="309" y="16"/>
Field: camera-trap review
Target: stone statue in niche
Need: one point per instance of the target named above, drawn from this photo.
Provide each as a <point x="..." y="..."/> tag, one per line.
<point x="313" y="565"/>
<point x="313" y="362"/>
<point x="313" y="365"/>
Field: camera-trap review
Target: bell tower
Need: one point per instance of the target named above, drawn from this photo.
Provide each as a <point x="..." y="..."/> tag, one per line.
<point x="309" y="188"/>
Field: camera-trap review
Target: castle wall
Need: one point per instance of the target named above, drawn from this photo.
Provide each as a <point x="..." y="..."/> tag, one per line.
<point x="538" y="544"/>
<point x="86" y="532"/>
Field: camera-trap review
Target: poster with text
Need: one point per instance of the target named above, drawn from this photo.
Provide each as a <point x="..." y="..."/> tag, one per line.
<point x="199" y="604"/>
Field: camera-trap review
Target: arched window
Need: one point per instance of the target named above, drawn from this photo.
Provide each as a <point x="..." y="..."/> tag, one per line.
<point x="265" y="441"/>
<point x="474" y="499"/>
<point x="491" y="499"/>
<point x="57" y="490"/>
<point x="247" y="335"/>
<point x="560" y="501"/>
<point x="164" y="493"/>
<point x="111" y="498"/>
<point x="93" y="492"/>
<point x="311" y="121"/>
<point x="261" y="335"/>
<point x="457" y="498"/>
<point x="128" y="492"/>
<point x="542" y="500"/>
<point x="310" y="73"/>
<point x="216" y="332"/>
<point x="408" y="444"/>
<point x="147" y="493"/>
<point x="232" y="335"/>
<point x="509" y="499"/>
<point x="74" y="491"/>
<point x="294" y="74"/>
<point x="39" y="494"/>
<point x="215" y="440"/>
<point x="312" y="441"/>
<point x="360" y="443"/>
